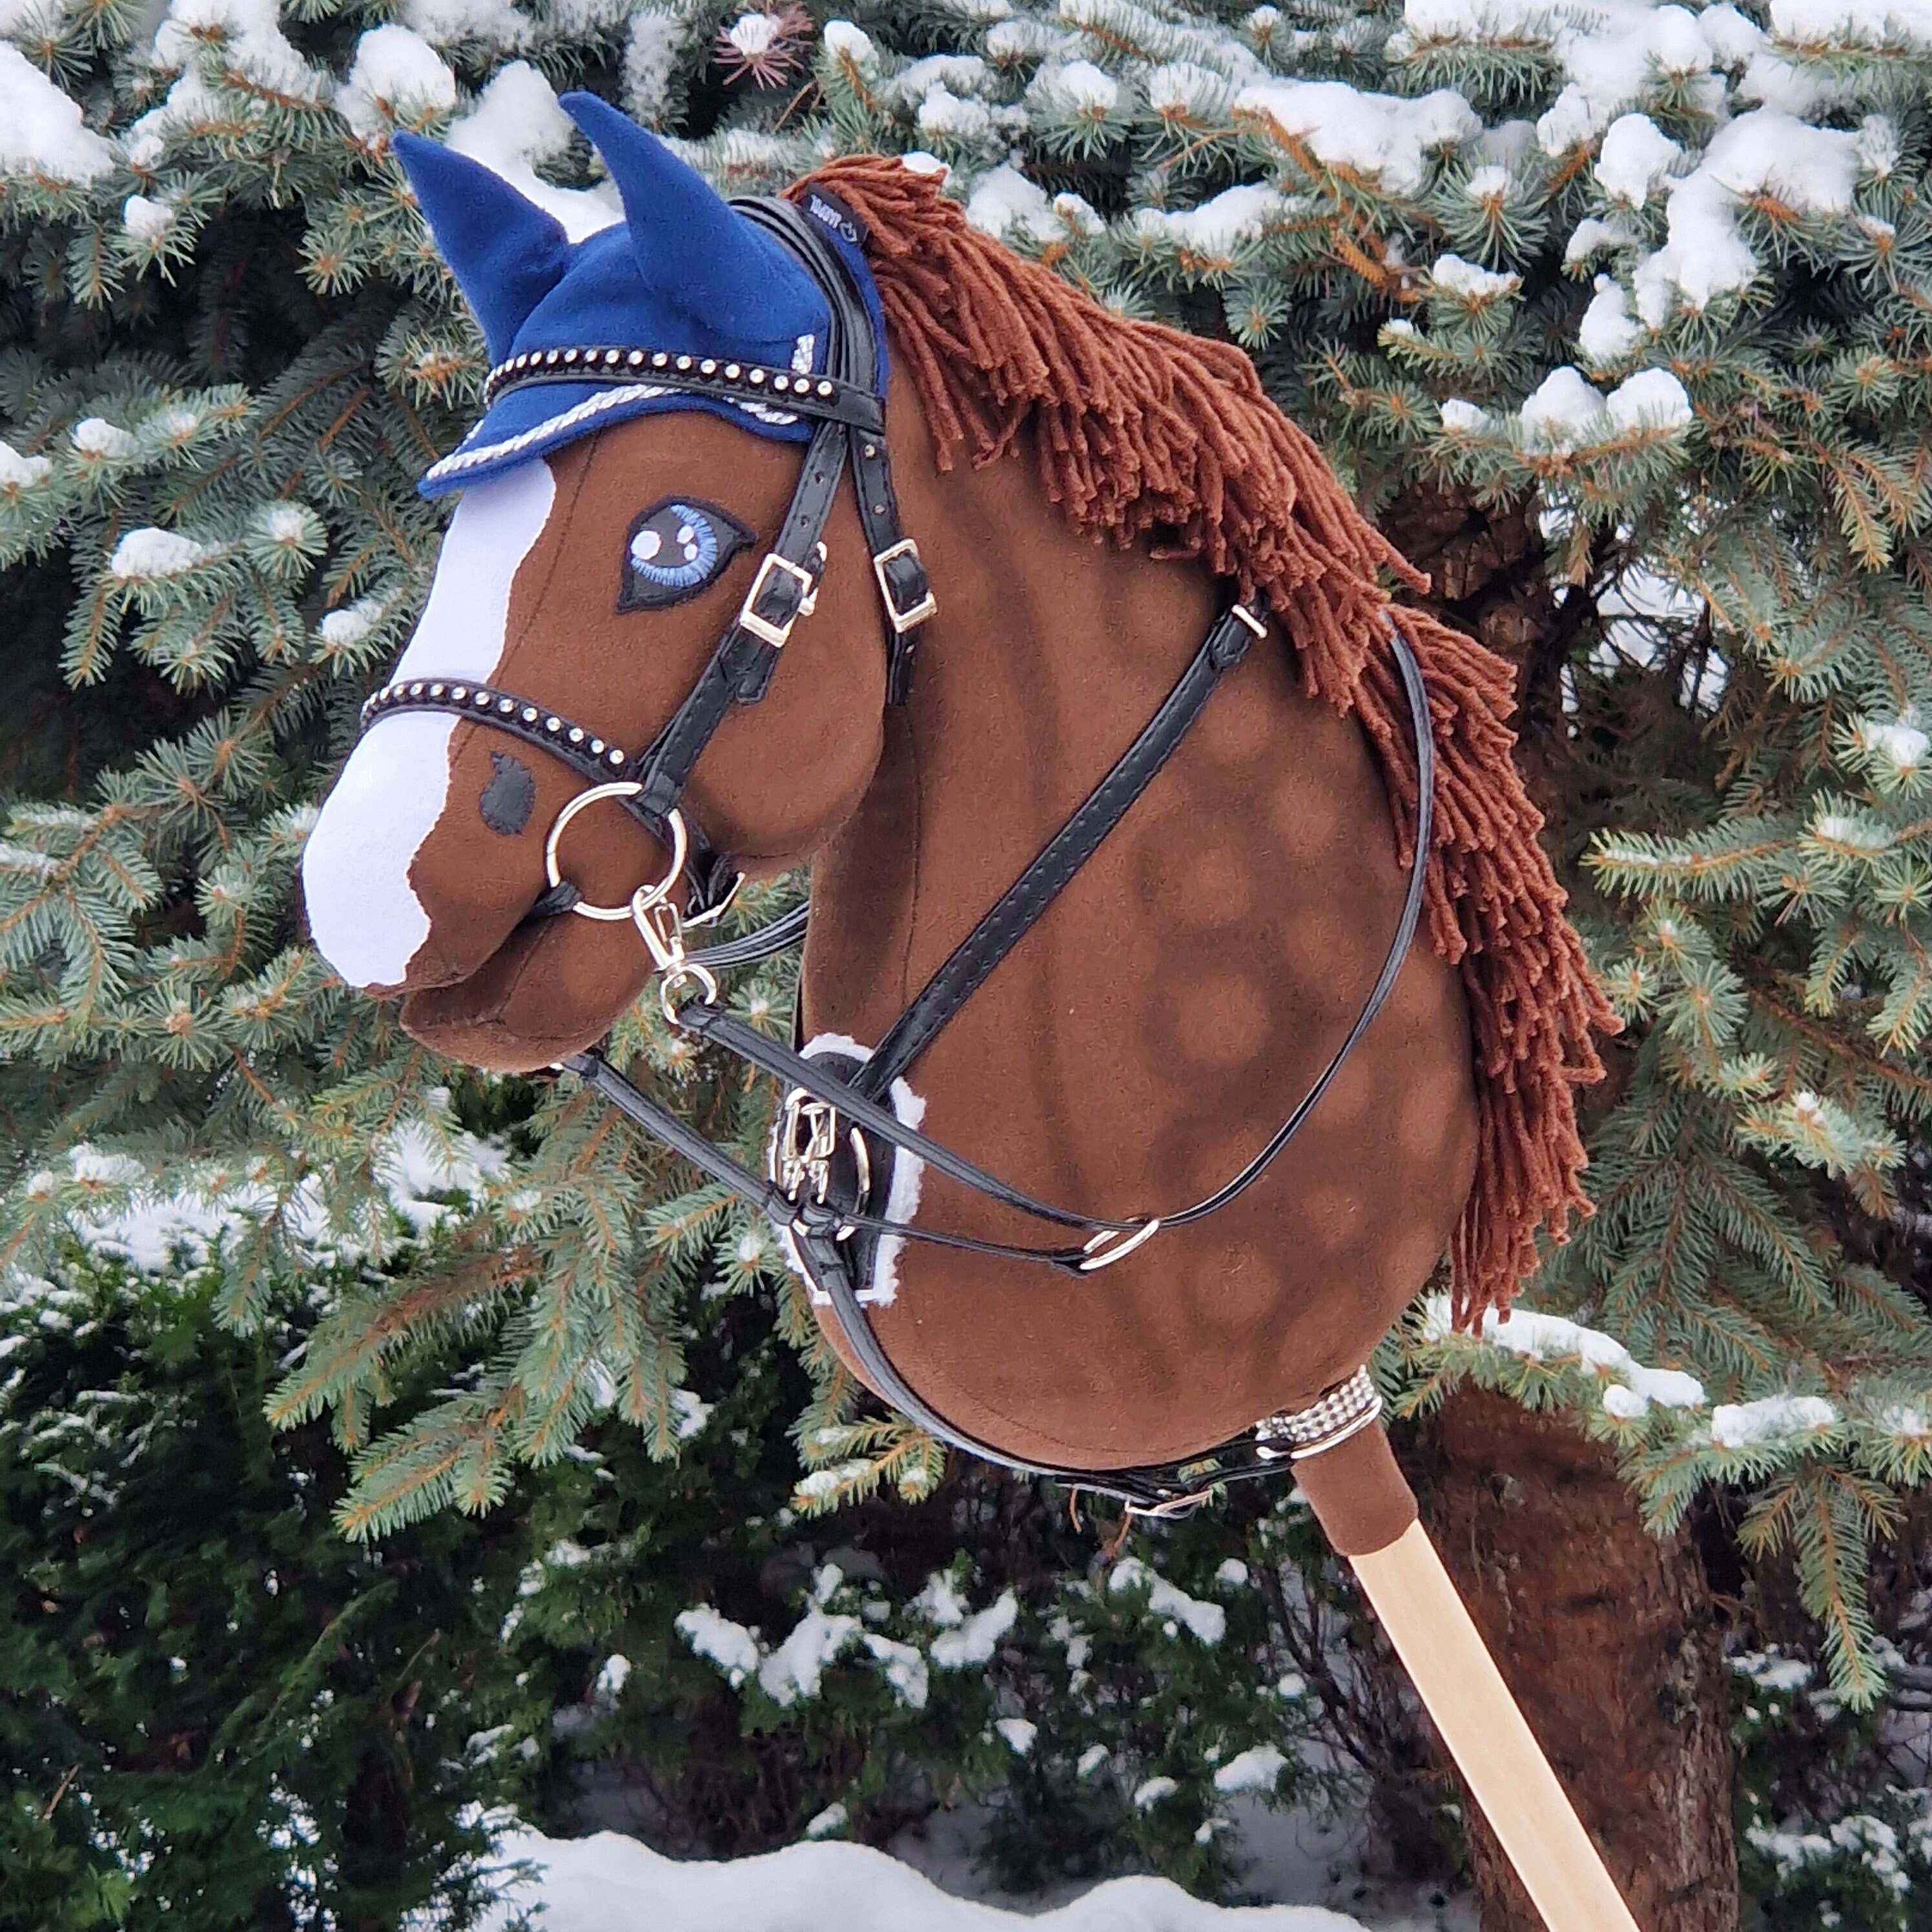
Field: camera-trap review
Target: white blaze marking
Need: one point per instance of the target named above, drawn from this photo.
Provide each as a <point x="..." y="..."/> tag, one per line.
<point x="363" y="913"/>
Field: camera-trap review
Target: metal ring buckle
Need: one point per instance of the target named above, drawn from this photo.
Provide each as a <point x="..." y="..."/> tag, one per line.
<point x="1113" y="1244"/>
<point x="902" y="621"/>
<point x="680" y="846"/>
<point x="763" y="628"/>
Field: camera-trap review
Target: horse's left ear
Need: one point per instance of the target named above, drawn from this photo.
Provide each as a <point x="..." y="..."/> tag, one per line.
<point x="691" y="247"/>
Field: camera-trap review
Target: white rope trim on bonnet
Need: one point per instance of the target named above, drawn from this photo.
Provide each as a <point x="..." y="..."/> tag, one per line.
<point x="459" y="460"/>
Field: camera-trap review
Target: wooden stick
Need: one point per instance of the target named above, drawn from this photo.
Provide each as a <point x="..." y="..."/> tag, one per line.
<point x="1502" y="1762"/>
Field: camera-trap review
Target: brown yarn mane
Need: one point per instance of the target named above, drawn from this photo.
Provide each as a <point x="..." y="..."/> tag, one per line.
<point x="1138" y="429"/>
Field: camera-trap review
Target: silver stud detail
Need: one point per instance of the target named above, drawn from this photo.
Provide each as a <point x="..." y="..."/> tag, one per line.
<point x="612" y="357"/>
<point x="732" y="372"/>
<point x="416" y="690"/>
<point x="757" y="376"/>
<point x="660" y="361"/>
<point x="552" y="724"/>
<point x="481" y="700"/>
<point x="529" y="714"/>
<point x="459" y="692"/>
<point x="825" y="388"/>
<point x="684" y="362"/>
<point x="436" y="690"/>
<point x="707" y="367"/>
<point x="781" y="383"/>
<point x="570" y="355"/>
<point x="597" y="747"/>
<point x="577" y="734"/>
<point x="636" y="358"/>
<point x="506" y="706"/>
<point x="552" y="358"/>
<point x="617" y="757"/>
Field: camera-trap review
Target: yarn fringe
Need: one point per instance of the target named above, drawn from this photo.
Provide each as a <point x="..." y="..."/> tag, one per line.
<point x="1142" y="432"/>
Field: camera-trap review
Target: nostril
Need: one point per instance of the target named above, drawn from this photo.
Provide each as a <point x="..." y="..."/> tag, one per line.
<point x="510" y="797"/>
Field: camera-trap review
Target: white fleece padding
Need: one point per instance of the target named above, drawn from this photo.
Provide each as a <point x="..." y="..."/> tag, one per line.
<point x="363" y="913"/>
<point x="908" y="1176"/>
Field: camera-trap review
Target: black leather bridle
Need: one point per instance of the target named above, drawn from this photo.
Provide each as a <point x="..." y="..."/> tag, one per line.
<point x="837" y="1136"/>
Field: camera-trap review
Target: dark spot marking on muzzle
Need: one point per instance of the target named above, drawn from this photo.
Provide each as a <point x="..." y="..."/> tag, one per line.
<point x="510" y="796"/>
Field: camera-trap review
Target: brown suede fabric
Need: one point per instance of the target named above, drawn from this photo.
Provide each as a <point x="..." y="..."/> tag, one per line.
<point x="1138" y="1045"/>
<point x="1362" y="1500"/>
<point x="777" y="777"/>
<point x="1155" y="1027"/>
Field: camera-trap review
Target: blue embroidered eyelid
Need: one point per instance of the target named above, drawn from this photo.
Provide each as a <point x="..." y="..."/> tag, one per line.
<point x="675" y="548"/>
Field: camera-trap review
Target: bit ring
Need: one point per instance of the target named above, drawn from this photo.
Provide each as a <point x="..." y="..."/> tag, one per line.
<point x="649" y="896"/>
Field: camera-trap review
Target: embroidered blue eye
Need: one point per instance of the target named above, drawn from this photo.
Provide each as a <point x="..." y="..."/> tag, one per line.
<point x="674" y="550"/>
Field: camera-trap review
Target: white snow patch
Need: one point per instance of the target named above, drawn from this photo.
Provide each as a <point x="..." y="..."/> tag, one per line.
<point x="1386" y="136"/>
<point x="1636" y="156"/>
<point x="904" y="1667"/>
<point x="516" y="122"/>
<point x="1207" y="1622"/>
<point x="1220" y="227"/>
<point x="1463" y="418"/>
<point x="940" y="1603"/>
<point x="975" y="1639"/>
<point x="342" y="629"/>
<point x="614" y="1674"/>
<point x="1255" y="1769"/>
<point x="1608" y="331"/>
<point x="610" y="1883"/>
<point x="1150" y="1791"/>
<point x="147" y="218"/>
<point x="652" y="51"/>
<point x="397" y="77"/>
<point x="143" y="555"/>
<point x="1776" y="1418"/>
<point x="829" y="1822"/>
<point x="1902" y="744"/>
<point x="42" y="136"/>
<point x="1018" y="1733"/>
<point x="21" y="472"/>
<point x="1232" y="1573"/>
<point x="447" y="23"/>
<point x="795" y="1668"/>
<point x="256" y="46"/>
<point x="95" y="436"/>
<point x="1811" y="170"/>
<point x="729" y="1645"/>
<point x="1556" y="1338"/>
<point x="1470" y="281"/>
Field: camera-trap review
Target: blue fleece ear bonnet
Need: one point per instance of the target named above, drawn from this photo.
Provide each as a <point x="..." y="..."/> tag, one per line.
<point x="684" y="272"/>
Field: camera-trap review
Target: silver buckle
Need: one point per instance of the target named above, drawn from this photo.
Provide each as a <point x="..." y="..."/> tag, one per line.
<point x="803" y="1141"/>
<point x="777" y="635"/>
<point x="902" y="621"/>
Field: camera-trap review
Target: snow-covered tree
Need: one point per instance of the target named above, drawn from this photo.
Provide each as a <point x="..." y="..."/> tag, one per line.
<point x="1615" y="314"/>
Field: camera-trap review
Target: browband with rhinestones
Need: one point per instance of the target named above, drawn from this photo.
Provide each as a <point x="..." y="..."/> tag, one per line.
<point x="809" y="395"/>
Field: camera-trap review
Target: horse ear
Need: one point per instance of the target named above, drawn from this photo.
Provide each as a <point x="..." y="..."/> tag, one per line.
<point x="506" y="254"/>
<point x="689" y="245"/>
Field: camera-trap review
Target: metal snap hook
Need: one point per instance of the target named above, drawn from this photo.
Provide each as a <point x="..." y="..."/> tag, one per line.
<point x="650" y="895"/>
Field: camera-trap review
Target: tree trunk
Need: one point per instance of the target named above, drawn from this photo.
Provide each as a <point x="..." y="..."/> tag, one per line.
<point x="1608" y="1638"/>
